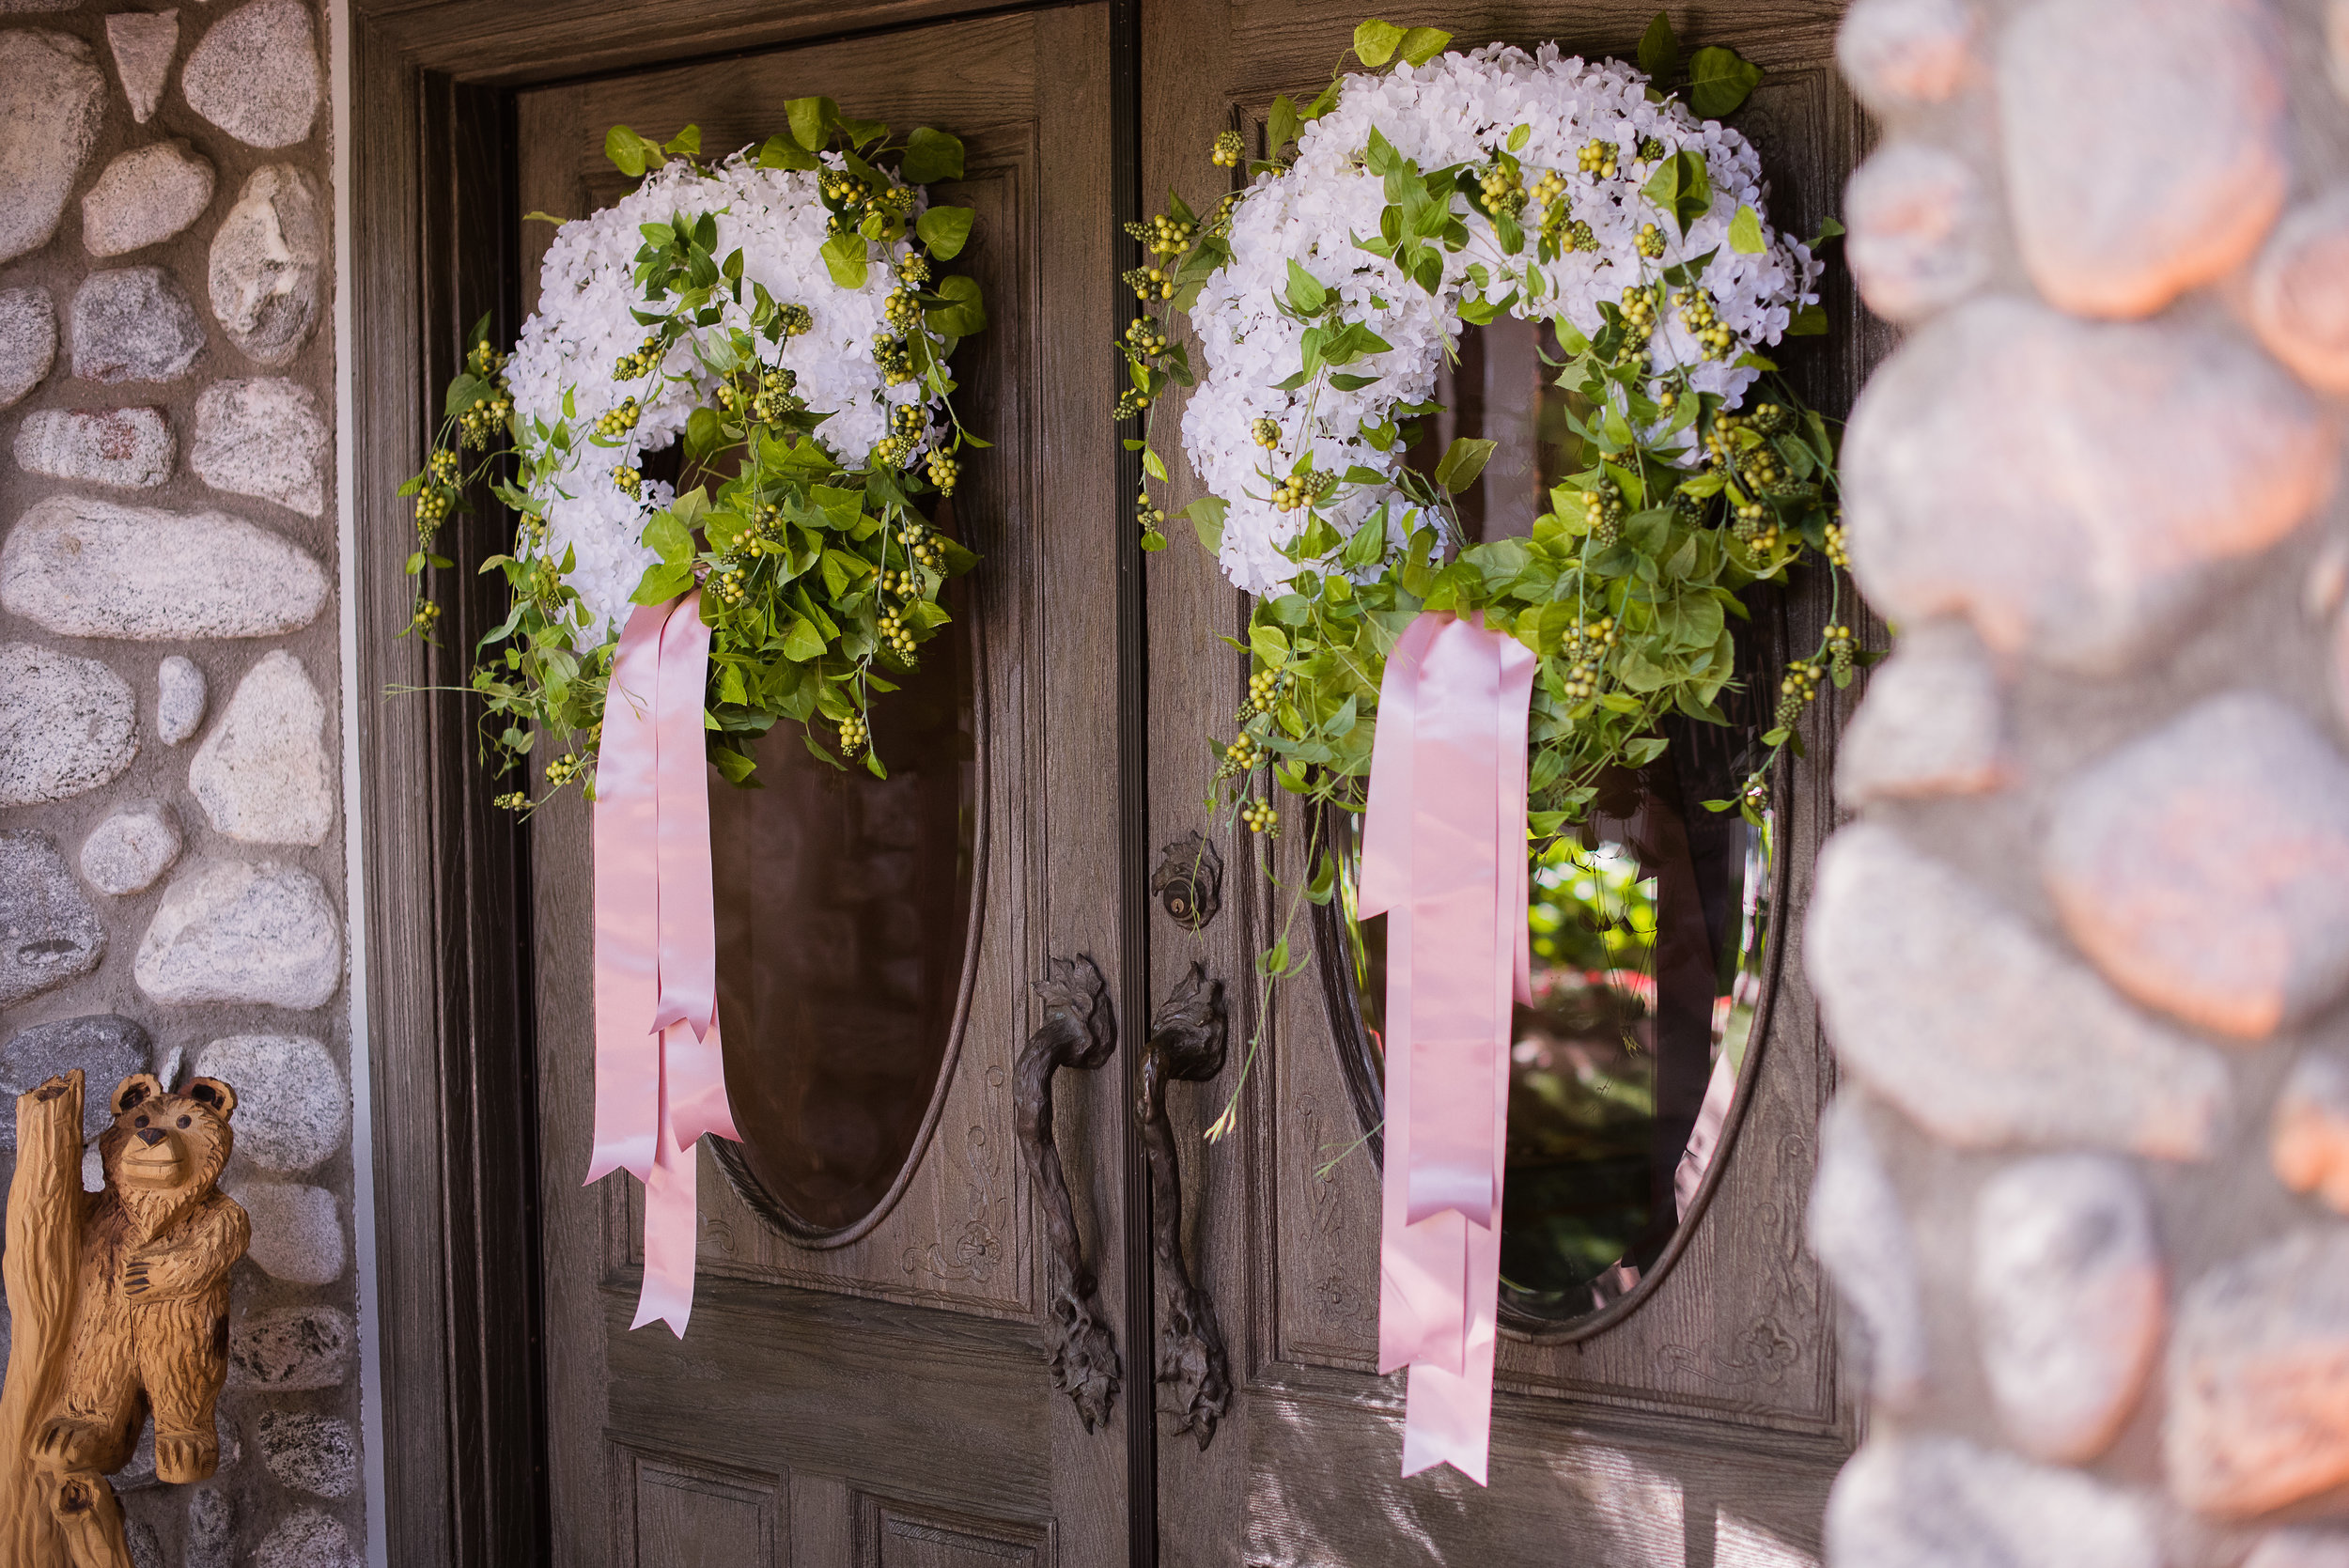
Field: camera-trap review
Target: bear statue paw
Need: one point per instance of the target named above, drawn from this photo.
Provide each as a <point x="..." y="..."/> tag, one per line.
<point x="67" y="1444"/>
<point x="184" y="1458"/>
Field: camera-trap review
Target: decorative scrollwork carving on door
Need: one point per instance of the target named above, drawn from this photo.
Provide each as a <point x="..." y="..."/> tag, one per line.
<point x="1078" y="1030"/>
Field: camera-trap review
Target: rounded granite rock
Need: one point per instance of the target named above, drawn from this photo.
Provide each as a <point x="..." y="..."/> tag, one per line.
<point x="84" y="567"/>
<point x="262" y="775"/>
<point x="128" y="851"/>
<point x="293" y="1109"/>
<point x="106" y="1046"/>
<point x="53" y="102"/>
<point x="255" y="73"/>
<point x="66" y="725"/>
<point x="263" y="437"/>
<point x="145" y="196"/>
<point x="251" y="931"/>
<point x="28" y="341"/>
<point x="125" y="448"/>
<point x="135" y="324"/>
<point x="49" y="934"/>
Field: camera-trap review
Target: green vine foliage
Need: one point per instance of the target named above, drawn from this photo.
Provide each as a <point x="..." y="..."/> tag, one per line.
<point x="1631" y="589"/>
<point x="822" y="575"/>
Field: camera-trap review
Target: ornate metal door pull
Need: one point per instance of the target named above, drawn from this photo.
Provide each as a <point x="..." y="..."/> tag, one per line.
<point x="1189" y="880"/>
<point x="1078" y="1030"/>
<point x="1187" y="1038"/>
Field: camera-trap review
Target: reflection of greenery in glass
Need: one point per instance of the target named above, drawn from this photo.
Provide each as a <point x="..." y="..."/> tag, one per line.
<point x="1589" y="909"/>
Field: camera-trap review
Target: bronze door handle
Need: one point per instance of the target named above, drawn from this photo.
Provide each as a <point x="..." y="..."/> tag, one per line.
<point x="1078" y="1030"/>
<point x="1188" y="1040"/>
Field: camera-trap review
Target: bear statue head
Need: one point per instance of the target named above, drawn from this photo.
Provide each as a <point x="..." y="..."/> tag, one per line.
<point x="163" y="1145"/>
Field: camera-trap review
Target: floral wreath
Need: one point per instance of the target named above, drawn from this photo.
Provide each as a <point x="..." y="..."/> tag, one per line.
<point x="1454" y="189"/>
<point x="1440" y="189"/>
<point x="780" y="310"/>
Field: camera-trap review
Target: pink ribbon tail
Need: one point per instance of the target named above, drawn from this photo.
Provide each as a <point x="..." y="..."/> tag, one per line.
<point x="1443" y="857"/>
<point x="659" y="1060"/>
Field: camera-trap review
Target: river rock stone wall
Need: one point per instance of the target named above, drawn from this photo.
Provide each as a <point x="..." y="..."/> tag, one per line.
<point x="171" y="833"/>
<point x="2084" y="949"/>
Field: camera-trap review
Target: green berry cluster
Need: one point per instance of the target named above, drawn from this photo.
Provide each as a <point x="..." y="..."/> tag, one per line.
<point x="1602" y="512"/>
<point x="1261" y="816"/>
<point x="1598" y="158"/>
<point x="1697" y="314"/>
<point x="643" y="361"/>
<point x="1301" y="488"/>
<point x="1587" y="645"/>
<point x="893" y="358"/>
<point x="1228" y="147"/>
<point x="1265" y="433"/>
<point x="614" y="422"/>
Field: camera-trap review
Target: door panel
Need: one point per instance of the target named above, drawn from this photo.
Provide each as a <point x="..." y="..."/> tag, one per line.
<point x="889" y="1368"/>
<point x="1702" y="1423"/>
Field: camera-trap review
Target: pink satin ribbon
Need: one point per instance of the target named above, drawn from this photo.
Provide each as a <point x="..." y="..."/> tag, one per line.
<point x="1444" y="859"/>
<point x="660" y="1079"/>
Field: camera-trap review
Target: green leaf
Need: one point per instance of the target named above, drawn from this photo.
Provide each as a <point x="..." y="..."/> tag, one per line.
<point x="702" y="433"/>
<point x="1463" y="463"/>
<point x="543" y="218"/>
<point x="629" y="153"/>
<point x="1152" y="465"/>
<point x="1828" y="230"/>
<point x="1810" y="321"/>
<point x="1423" y="45"/>
<point x="1206" y="521"/>
<point x="661" y="584"/>
<point x="945" y="230"/>
<point x="931" y="155"/>
<point x="810" y="120"/>
<point x="669" y="538"/>
<point x="963" y="315"/>
<point x="780" y="152"/>
<point x="1659" y="50"/>
<point x="1682" y="187"/>
<point x="1745" y="232"/>
<point x="804" y="644"/>
<point x="1719" y="80"/>
<point x="1306" y="295"/>
<point x="1281" y="126"/>
<point x="1375" y="41"/>
<point x="863" y="132"/>
<point x="688" y="141"/>
<point x="847" y="258"/>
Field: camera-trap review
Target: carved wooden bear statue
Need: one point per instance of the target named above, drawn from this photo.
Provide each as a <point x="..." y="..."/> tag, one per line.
<point x="151" y="1321"/>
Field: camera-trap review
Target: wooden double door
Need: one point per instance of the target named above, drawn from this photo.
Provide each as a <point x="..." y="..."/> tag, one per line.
<point x="907" y="1348"/>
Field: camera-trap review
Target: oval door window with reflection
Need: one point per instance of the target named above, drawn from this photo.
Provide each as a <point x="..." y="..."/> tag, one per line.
<point x="845" y="930"/>
<point x="1648" y="926"/>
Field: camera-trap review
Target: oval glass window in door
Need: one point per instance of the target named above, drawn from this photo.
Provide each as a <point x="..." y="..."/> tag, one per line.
<point x="845" y="928"/>
<point x="1648" y="933"/>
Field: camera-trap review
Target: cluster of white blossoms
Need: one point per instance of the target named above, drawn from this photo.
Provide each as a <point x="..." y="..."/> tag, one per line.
<point x="585" y="322"/>
<point x="1460" y="109"/>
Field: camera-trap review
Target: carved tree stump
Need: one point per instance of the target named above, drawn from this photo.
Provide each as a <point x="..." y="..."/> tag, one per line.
<point x="41" y="1270"/>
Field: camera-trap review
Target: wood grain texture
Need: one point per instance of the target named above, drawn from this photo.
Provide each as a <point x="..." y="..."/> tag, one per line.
<point x="907" y="1362"/>
<point x="40" y="1267"/>
<point x="1719" y="1396"/>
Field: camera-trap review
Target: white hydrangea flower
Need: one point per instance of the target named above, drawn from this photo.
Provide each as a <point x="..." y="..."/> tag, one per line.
<point x="1456" y="108"/>
<point x="585" y="322"/>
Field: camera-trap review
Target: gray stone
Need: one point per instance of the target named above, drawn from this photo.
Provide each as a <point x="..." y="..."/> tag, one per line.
<point x="263" y="775"/>
<point x="13" y="7"/>
<point x="1861" y="1236"/>
<point x="2137" y="465"/>
<point x="53" y="100"/>
<point x="28" y="341"/>
<point x="1920" y="231"/>
<point x="2301" y="1548"/>
<point x="125" y="853"/>
<point x="135" y="324"/>
<point x="146" y="197"/>
<point x="86" y="567"/>
<point x="1900" y="54"/>
<point x="127" y="448"/>
<point x="67" y="724"/>
<point x="1947" y="1005"/>
<point x="297" y="1231"/>
<point x="308" y="1538"/>
<point x="264" y="437"/>
<point x="1933" y="722"/>
<point x="2308" y="1140"/>
<point x="2205" y="867"/>
<point x="268" y="263"/>
<point x="144" y="43"/>
<point x="139" y="1539"/>
<point x="319" y="1454"/>
<point x="2257" y="1379"/>
<point x="49" y="934"/>
<point x="179" y="699"/>
<point x="242" y="931"/>
<point x="2300" y="292"/>
<point x="293" y="1111"/>
<point x="1933" y="1501"/>
<point x="2067" y="1291"/>
<point x="211" y="1527"/>
<point x="107" y="1047"/>
<point x="291" y="1349"/>
<point x="2147" y="144"/>
<point x="256" y="73"/>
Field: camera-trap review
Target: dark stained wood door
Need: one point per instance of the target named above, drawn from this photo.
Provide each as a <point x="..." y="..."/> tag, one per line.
<point x="867" y="1376"/>
<point x="1698" y="1421"/>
